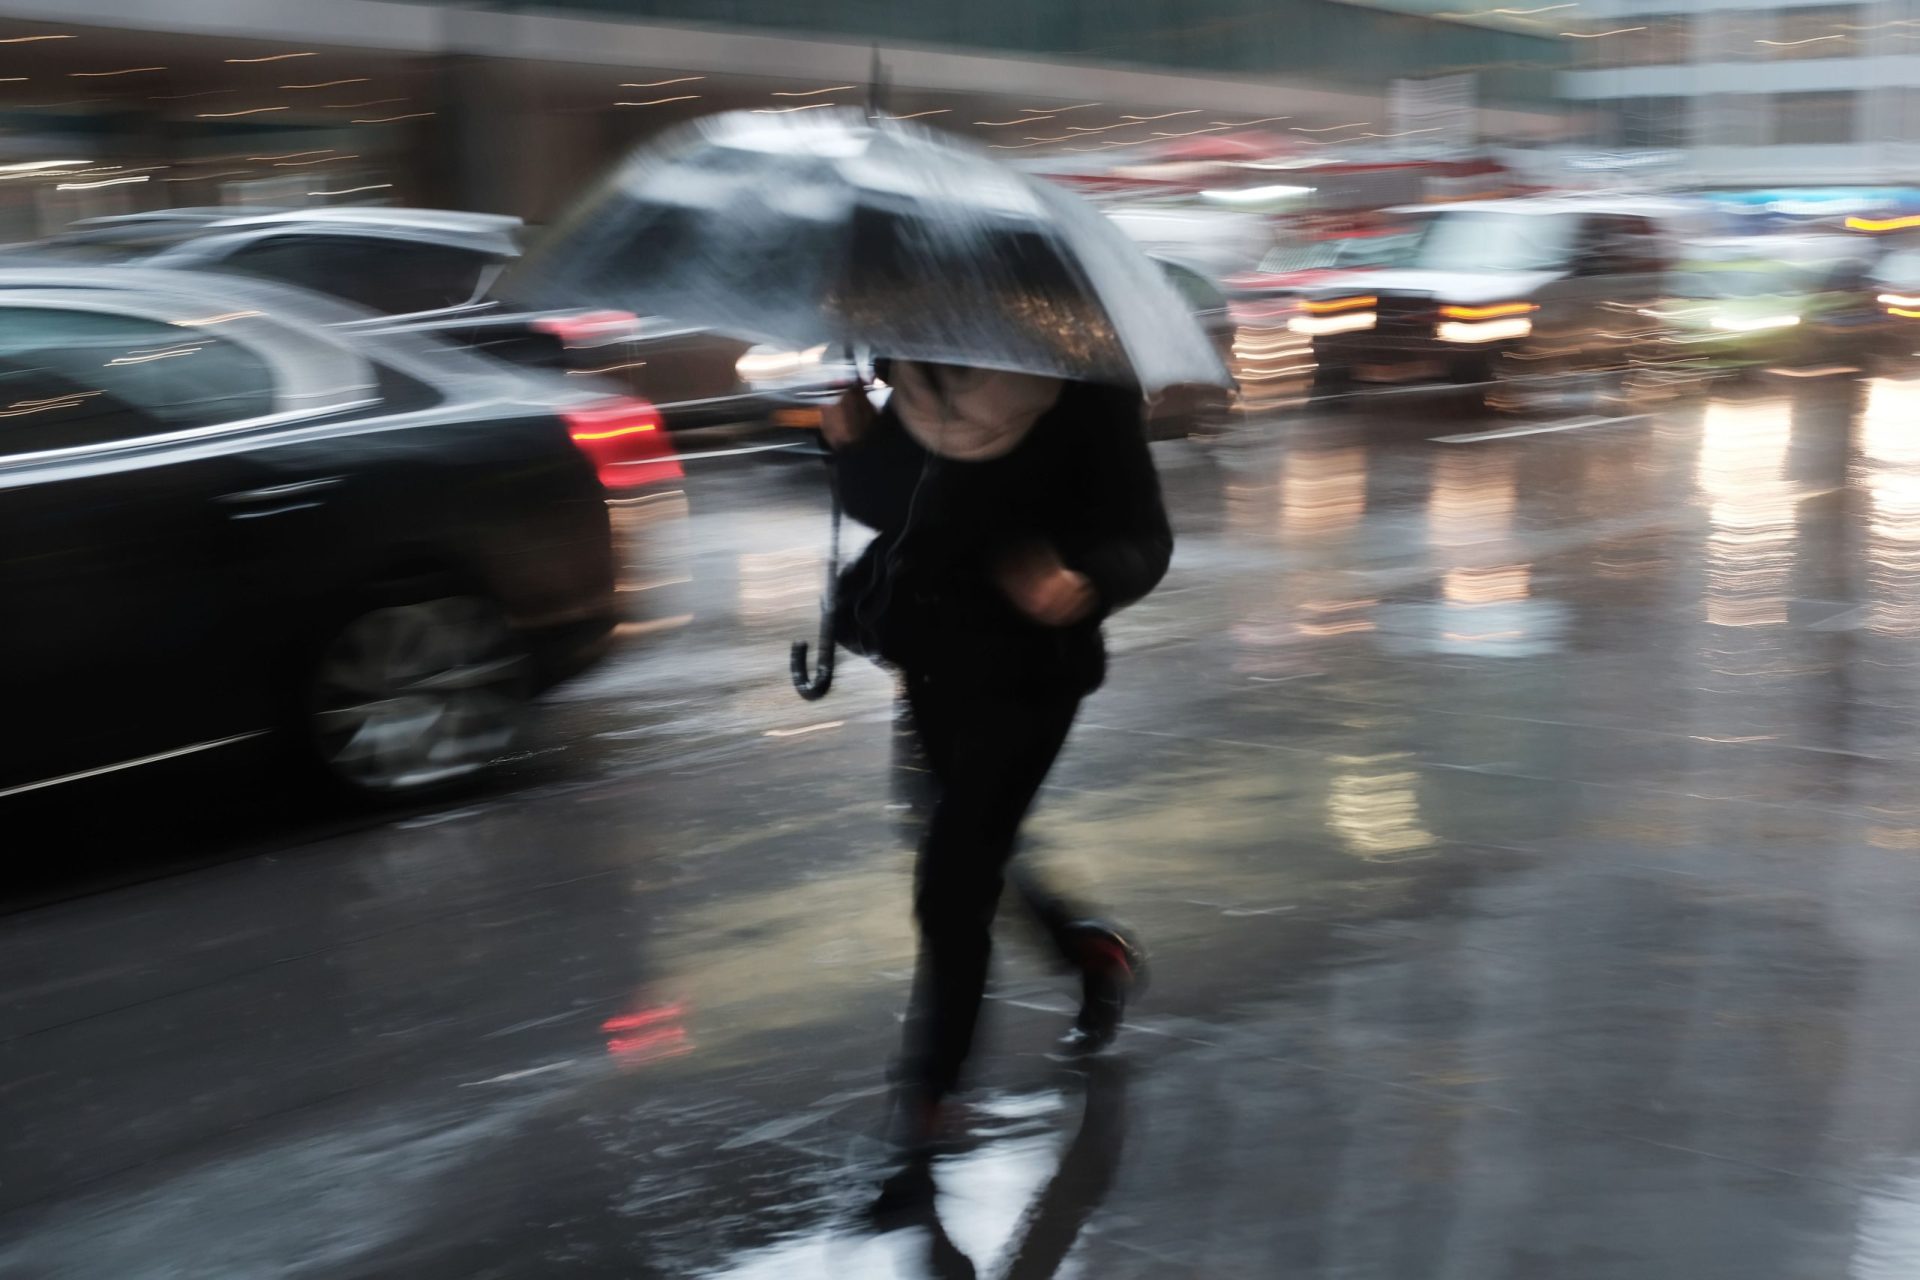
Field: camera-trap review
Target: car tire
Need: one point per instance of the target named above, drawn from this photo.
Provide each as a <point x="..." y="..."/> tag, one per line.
<point x="416" y="689"/>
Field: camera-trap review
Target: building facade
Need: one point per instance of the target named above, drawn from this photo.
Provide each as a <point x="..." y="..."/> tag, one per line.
<point x="509" y="108"/>
<point x="1753" y="92"/>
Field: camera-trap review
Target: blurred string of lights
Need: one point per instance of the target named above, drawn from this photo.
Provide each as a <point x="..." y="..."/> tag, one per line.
<point x="81" y="175"/>
<point x="1028" y="115"/>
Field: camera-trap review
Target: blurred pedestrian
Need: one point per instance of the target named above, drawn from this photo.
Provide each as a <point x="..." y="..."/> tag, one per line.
<point x="1014" y="513"/>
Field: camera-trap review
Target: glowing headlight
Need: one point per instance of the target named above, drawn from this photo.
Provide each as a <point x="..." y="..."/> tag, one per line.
<point x="1484" y="330"/>
<point x="1320" y="326"/>
<point x="1753" y="324"/>
<point x="766" y="364"/>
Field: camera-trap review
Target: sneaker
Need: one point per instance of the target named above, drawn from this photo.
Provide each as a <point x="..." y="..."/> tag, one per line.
<point x="1113" y="970"/>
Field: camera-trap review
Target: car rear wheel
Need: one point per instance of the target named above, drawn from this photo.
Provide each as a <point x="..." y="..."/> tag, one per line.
<point x="411" y="696"/>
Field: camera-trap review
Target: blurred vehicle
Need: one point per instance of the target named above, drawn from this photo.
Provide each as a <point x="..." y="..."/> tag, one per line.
<point x="435" y="270"/>
<point x="229" y="521"/>
<point x="1755" y="305"/>
<point x="1894" y="279"/>
<point x="1527" y="300"/>
<point x="1267" y="358"/>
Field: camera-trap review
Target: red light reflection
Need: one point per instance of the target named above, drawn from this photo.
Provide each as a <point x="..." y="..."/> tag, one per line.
<point x="647" y="1035"/>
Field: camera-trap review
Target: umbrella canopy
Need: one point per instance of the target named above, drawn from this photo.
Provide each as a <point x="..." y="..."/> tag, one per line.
<point x="825" y="227"/>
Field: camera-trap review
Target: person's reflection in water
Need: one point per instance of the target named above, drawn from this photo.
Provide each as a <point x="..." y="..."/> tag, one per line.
<point x="1053" y="1221"/>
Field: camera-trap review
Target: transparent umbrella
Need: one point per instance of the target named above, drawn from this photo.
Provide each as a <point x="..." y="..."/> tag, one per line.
<point x="832" y="227"/>
<point x="826" y="226"/>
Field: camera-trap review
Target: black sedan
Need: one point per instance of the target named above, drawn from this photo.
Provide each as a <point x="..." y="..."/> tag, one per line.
<point x="227" y="522"/>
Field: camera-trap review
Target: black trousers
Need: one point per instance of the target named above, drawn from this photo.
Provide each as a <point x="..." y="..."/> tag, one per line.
<point x="984" y="754"/>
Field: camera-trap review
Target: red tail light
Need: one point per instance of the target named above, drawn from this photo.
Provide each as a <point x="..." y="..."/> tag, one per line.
<point x="624" y="438"/>
<point x="590" y="328"/>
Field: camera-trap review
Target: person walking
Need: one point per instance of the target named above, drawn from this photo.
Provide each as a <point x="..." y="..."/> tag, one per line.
<point x="1013" y="514"/>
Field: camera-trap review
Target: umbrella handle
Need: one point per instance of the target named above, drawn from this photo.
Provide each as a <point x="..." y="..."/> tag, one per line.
<point x="813" y="685"/>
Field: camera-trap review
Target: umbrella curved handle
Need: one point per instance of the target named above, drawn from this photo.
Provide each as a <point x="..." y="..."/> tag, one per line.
<point x="811" y="686"/>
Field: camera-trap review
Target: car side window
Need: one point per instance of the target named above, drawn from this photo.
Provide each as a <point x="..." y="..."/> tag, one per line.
<point x="1620" y="245"/>
<point x="40" y="410"/>
<point x="1640" y="249"/>
<point x="70" y="377"/>
<point x="1592" y="248"/>
<point x="391" y="276"/>
<point x="295" y="260"/>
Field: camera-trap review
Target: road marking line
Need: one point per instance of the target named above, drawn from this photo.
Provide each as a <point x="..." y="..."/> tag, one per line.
<point x="1510" y="433"/>
<point x="518" y="1075"/>
<point x="811" y="728"/>
<point x="155" y="758"/>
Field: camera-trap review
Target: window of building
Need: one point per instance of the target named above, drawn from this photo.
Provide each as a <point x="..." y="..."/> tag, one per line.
<point x="1735" y="120"/>
<point x="1654" y="123"/>
<point x="1831" y="31"/>
<point x="1736" y="35"/>
<point x="1662" y="38"/>
<point x="1636" y="41"/>
<point x="1802" y="119"/>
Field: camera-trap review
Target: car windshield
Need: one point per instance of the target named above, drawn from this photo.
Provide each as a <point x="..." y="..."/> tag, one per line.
<point x="1314" y="255"/>
<point x="1490" y="240"/>
<point x="1345" y="253"/>
<point x="1375" y="251"/>
<point x="1734" y="283"/>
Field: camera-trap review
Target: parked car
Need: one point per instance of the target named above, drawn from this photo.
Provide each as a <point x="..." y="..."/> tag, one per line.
<point x="228" y="521"/>
<point x="435" y="270"/>
<point x="1516" y="297"/>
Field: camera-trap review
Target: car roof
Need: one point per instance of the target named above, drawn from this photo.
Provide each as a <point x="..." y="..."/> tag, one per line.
<point x="491" y="233"/>
<point x="201" y="294"/>
<point x="383" y="216"/>
<point x="187" y="213"/>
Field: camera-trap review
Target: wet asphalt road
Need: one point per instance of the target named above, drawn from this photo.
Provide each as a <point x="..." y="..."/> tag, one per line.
<point x="1522" y="821"/>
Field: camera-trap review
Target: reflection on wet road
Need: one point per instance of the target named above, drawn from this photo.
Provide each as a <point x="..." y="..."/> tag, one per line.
<point x="1524" y="826"/>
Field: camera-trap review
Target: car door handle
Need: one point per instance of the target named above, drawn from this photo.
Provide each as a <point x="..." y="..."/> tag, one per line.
<point x="277" y="499"/>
